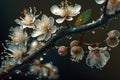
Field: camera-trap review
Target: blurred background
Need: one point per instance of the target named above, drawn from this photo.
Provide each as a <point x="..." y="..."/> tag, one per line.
<point x="68" y="70"/>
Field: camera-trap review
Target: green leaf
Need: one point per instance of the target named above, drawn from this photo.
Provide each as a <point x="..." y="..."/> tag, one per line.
<point x="84" y="17"/>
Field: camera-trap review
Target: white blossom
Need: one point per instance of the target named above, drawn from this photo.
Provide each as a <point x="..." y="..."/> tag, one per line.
<point x="113" y="33"/>
<point x="18" y="35"/>
<point x="47" y="70"/>
<point x="77" y="53"/>
<point x="28" y="20"/>
<point x="44" y="28"/>
<point x="66" y="11"/>
<point x="113" y="5"/>
<point x="97" y="57"/>
<point x="112" y="42"/>
<point x="17" y="51"/>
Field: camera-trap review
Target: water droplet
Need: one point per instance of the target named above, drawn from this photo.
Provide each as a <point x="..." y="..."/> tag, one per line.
<point x="69" y="37"/>
<point x="93" y="21"/>
<point x="93" y="32"/>
<point x="109" y="49"/>
<point x="54" y="34"/>
<point x="80" y="19"/>
<point x="26" y="74"/>
<point x="44" y="54"/>
<point x="41" y="58"/>
<point x="2" y="58"/>
<point x="19" y="62"/>
<point x="10" y="77"/>
<point x="101" y="9"/>
<point x="17" y="71"/>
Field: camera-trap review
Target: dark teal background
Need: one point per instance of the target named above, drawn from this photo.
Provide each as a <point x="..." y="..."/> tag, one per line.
<point x="11" y="9"/>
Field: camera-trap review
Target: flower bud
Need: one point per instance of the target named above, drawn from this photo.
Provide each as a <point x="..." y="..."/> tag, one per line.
<point x="114" y="33"/>
<point x="74" y="43"/>
<point x="62" y="50"/>
<point x="35" y="44"/>
<point x="76" y="50"/>
<point x="36" y="62"/>
<point x="112" y="42"/>
<point x="77" y="53"/>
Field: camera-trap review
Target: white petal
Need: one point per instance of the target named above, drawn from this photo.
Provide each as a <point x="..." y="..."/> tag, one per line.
<point x="28" y="26"/>
<point x="60" y="20"/>
<point x="107" y="55"/>
<point x="90" y="48"/>
<point x="77" y="8"/>
<point x="89" y="60"/>
<point x="53" y="29"/>
<point x="74" y="10"/>
<point x="38" y="23"/>
<point x="36" y="33"/>
<point x="100" y="1"/>
<point x="56" y="10"/>
<point x="41" y="37"/>
<point x="69" y="19"/>
<point x="45" y="19"/>
<point x="100" y="61"/>
<point x="51" y="20"/>
<point x="48" y="36"/>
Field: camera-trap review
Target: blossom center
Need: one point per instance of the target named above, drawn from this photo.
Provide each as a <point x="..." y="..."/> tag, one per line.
<point x="28" y="19"/>
<point x="45" y="29"/>
<point x="96" y="52"/>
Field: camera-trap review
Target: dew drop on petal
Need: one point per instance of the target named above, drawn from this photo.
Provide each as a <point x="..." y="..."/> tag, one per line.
<point x="109" y="49"/>
<point x="41" y="58"/>
<point x="93" y="32"/>
<point x="17" y="71"/>
<point x="10" y="77"/>
<point x="69" y="37"/>
<point x="44" y="54"/>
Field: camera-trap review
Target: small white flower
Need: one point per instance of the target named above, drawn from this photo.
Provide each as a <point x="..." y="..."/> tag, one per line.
<point x="34" y="46"/>
<point x="29" y="18"/>
<point x="53" y="71"/>
<point x="35" y="69"/>
<point x="44" y="28"/>
<point x="113" y="33"/>
<point x="66" y="11"/>
<point x="112" y="42"/>
<point x="100" y="1"/>
<point x="18" y="35"/>
<point x="113" y="5"/>
<point x="17" y="51"/>
<point x="97" y="57"/>
<point x="77" y="53"/>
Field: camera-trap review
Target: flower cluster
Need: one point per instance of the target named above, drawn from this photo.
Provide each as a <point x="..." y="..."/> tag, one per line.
<point x="24" y="43"/>
<point x="76" y="51"/>
<point x="46" y="70"/>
